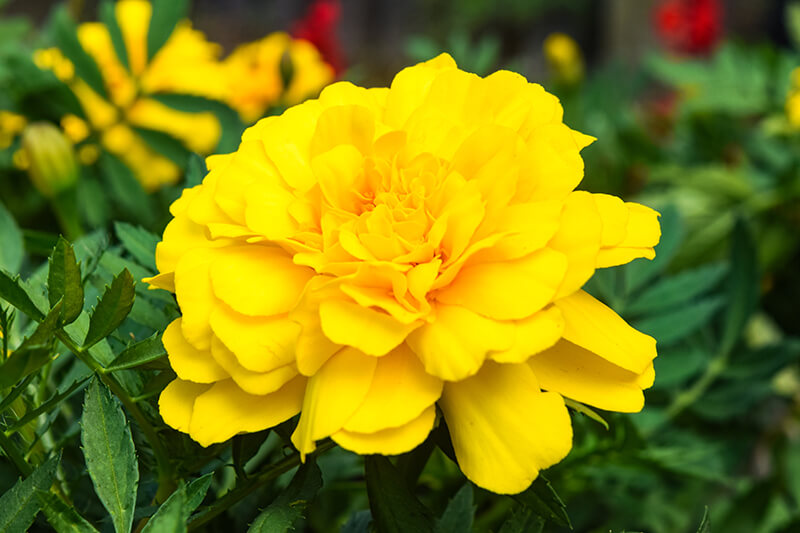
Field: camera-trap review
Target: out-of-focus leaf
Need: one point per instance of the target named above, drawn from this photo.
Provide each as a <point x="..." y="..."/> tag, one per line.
<point x="64" y="281"/>
<point x="523" y="521"/>
<point x="459" y="514"/>
<point x="50" y="404"/>
<point x="291" y="504"/>
<point x="742" y="286"/>
<point x="705" y="523"/>
<point x="244" y="447"/>
<point x="14" y="292"/>
<point x="139" y="242"/>
<point x="675" y="366"/>
<point x="108" y="17"/>
<point x="394" y="506"/>
<point x="66" y="36"/>
<point x="139" y="354"/>
<point x="110" y="454"/>
<point x="793" y="22"/>
<point x="166" y="145"/>
<point x="125" y="189"/>
<point x="762" y="363"/>
<point x="12" y="245"/>
<point x="40" y="242"/>
<point x="641" y="271"/>
<point x="22" y="363"/>
<point x="678" y="289"/>
<point x="166" y="14"/>
<point x="112" y="308"/>
<point x="63" y="518"/>
<point x="730" y="399"/>
<point x="195" y="170"/>
<point x="358" y="523"/>
<point x="542" y="499"/>
<point x="171" y="516"/>
<point x="672" y="326"/>
<point x="232" y="126"/>
<point x="18" y="506"/>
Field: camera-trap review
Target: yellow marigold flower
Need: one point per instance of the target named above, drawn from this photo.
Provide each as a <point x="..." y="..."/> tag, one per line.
<point x="256" y="82"/>
<point x="186" y="64"/>
<point x="374" y="253"/>
<point x="564" y="57"/>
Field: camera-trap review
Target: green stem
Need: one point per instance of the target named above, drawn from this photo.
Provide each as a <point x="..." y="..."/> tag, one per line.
<point x="11" y="451"/>
<point x="239" y="493"/>
<point x="166" y="481"/>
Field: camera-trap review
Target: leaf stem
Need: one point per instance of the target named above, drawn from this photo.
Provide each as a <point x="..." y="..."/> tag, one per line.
<point x="11" y="451"/>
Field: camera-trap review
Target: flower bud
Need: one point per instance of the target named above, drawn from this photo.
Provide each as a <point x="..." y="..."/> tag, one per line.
<point x="51" y="158"/>
<point x="564" y="58"/>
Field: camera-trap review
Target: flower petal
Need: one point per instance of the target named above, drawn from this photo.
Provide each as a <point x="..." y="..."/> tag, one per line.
<point x="187" y="361"/>
<point x="578" y="238"/>
<point x="195" y="297"/>
<point x="400" y="391"/>
<point x="259" y="383"/>
<point x="532" y="335"/>
<point x="455" y="344"/>
<point x="504" y="429"/>
<point x="596" y="327"/>
<point x="177" y="402"/>
<point x="391" y="441"/>
<point x="642" y="234"/>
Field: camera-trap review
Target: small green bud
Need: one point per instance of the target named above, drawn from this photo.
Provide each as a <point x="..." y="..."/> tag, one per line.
<point x="52" y="165"/>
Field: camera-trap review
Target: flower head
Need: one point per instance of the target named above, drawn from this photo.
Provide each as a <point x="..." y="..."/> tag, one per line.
<point x="318" y="27"/>
<point x="52" y="164"/>
<point x="370" y="255"/>
<point x="793" y="100"/>
<point x="564" y="58"/>
<point x="689" y="26"/>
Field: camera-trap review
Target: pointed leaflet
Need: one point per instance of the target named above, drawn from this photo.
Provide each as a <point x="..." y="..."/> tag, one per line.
<point x="542" y="499"/>
<point x="166" y="14"/>
<point x="112" y="308"/>
<point x="18" y="506"/>
<point x="138" y="354"/>
<point x="12" y="246"/>
<point x="459" y="514"/>
<point x="290" y="505"/>
<point x="678" y="289"/>
<point x="62" y="517"/>
<point x="196" y="491"/>
<point x="64" y="281"/>
<point x="139" y="242"/>
<point x="395" y="509"/>
<point x="66" y="36"/>
<point x="108" y="17"/>
<point x="14" y="292"/>
<point x="110" y="455"/>
<point x="171" y="516"/>
<point x="742" y="286"/>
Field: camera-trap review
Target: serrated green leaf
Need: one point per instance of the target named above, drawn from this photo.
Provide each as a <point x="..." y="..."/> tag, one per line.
<point x="394" y="507"/>
<point x="19" y="506"/>
<point x="14" y="292"/>
<point x="50" y="404"/>
<point x="139" y="242"/>
<point x="138" y="354"/>
<point x="65" y="33"/>
<point x="742" y="286"/>
<point x="542" y="499"/>
<point x="459" y="514"/>
<point x="678" y="289"/>
<point x="171" y="516"/>
<point x="523" y="521"/>
<point x="63" y="518"/>
<point x="110" y="454"/>
<point x="112" y="308"/>
<point x="196" y="492"/>
<point x="64" y="281"/>
<point x="640" y="271"/>
<point x="108" y="17"/>
<point x="166" y="14"/>
<point x="44" y="332"/>
<point x="12" y="244"/>
<point x="672" y="326"/>
<point x="22" y="363"/>
<point x="289" y="507"/>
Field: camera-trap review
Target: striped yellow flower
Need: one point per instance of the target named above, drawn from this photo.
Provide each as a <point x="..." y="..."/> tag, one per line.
<point x="378" y="260"/>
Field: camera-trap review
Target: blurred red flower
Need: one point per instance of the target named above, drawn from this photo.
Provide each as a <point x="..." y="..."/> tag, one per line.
<point x="689" y="26"/>
<point x="319" y="26"/>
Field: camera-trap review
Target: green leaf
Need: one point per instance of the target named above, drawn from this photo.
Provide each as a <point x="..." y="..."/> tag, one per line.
<point x="358" y="523"/>
<point x="244" y="447"/>
<point x="579" y="407"/>
<point x="64" y="281"/>
<point x="66" y="36"/>
<point x="195" y="170"/>
<point x="678" y="289"/>
<point x="672" y="326"/>
<point x="22" y="363"/>
<point x="139" y="242"/>
<point x="165" y="144"/>
<point x="196" y="492"/>
<point x="112" y="308"/>
<point x="170" y="517"/>
<point x="110" y="454"/>
<point x="12" y="244"/>
<point x="14" y="292"/>
<point x="108" y="17"/>
<point x="793" y="22"/>
<point x="290" y="505"/>
<point x="705" y="523"/>
<point x="125" y="190"/>
<point x="44" y="332"/>
<point x="523" y="521"/>
<point x="543" y="500"/>
<point x="138" y="354"/>
<point x="394" y="507"/>
<point x="642" y="270"/>
<point x="18" y="506"/>
<point x="742" y="286"/>
<point x="49" y="404"/>
<point x="63" y="518"/>
<point x="459" y="514"/>
<point x="166" y="14"/>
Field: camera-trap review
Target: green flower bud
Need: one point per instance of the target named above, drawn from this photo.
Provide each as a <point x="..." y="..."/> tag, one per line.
<point x="52" y="165"/>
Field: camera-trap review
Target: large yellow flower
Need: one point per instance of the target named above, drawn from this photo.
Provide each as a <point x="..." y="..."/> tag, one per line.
<point x="372" y="254"/>
<point x="186" y="64"/>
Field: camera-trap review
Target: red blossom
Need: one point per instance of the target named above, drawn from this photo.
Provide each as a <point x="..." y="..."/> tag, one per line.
<point x="689" y="26"/>
<point x="319" y="26"/>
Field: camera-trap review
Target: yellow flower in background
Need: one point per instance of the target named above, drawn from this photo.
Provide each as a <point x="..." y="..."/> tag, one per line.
<point x="255" y="77"/>
<point x="564" y="58"/>
<point x="374" y="253"/>
<point x="186" y="64"/>
<point x="793" y="100"/>
<point x="11" y="125"/>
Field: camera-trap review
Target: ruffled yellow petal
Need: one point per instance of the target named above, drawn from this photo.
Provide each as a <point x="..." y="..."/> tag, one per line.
<point x="195" y="297"/>
<point x="532" y="335"/>
<point x="391" y="441"/>
<point x="187" y="361"/>
<point x="642" y="233"/>
<point x="594" y="326"/>
<point x="176" y="403"/>
<point x="583" y="376"/>
<point x="258" y="383"/>
<point x="504" y="429"/>
<point x="578" y="238"/>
